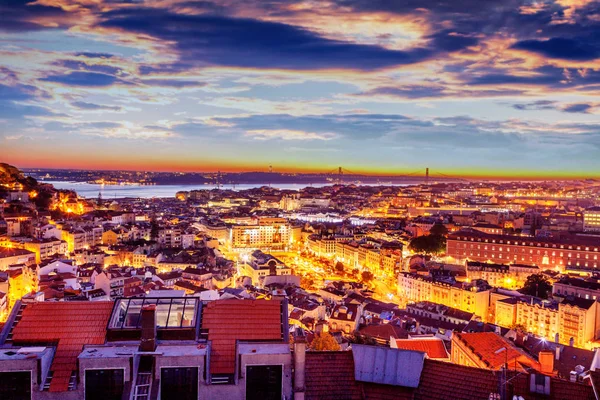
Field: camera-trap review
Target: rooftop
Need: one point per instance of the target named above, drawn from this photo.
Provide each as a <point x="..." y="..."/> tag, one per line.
<point x="434" y="347"/>
<point x="69" y="324"/>
<point x="228" y="321"/>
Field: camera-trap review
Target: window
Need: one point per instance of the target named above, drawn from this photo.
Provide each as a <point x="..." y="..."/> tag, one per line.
<point x="170" y="312"/>
<point x="263" y="382"/>
<point x="104" y="384"/>
<point x="179" y="383"/>
<point x="15" y="385"/>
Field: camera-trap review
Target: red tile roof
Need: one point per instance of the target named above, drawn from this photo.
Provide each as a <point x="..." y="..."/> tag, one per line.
<point x="71" y="324"/>
<point x="434" y="348"/>
<point x="230" y="320"/>
<point x="330" y="375"/>
<point x="485" y="345"/>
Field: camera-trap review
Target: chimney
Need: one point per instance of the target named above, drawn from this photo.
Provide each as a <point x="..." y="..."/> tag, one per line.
<point x="556" y="338"/>
<point x="148" y="340"/>
<point x="299" y="364"/>
<point x="571" y="342"/>
<point x="546" y="359"/>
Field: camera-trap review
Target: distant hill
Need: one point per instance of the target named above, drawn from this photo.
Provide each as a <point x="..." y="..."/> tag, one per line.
<point x="10" y="175"/>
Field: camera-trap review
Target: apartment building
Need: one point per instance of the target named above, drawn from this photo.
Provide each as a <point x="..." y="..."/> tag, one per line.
<point x="571" y="321"/>
<point x="78" y="238"/>
<point x="275" y="233"/>
<point x="591" y="219"/>
<point x="147" y="348"/>
<point x="11" y="256"/>
<point x="471" y="297"/>
<point x="577" y="287"/>
<point x="511" y="276"/>
<point x="581" y="252"/>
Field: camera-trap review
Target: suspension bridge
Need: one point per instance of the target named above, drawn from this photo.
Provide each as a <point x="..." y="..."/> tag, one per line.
<point x="342" y="175"/>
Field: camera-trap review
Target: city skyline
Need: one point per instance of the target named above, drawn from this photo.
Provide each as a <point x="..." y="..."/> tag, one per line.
<point x="470" y="89"/>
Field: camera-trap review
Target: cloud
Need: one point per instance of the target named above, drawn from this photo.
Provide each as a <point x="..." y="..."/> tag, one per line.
<point x="288" y="134"/>
<point x="95" y="107"/>
<point x="205" y="40"/>
<point x="173" y="83"/>
<point x="27" y="15"/>
<point x="580" y="49"/>
<point x="536" y="105"/>
<point x="83" y="66"/>
<point x="579" y="108"/>
<point x="407" y="91"/>
<point x="88" y="54"/>
<point x="80" y="78"/>
<point x="15" y="102"/>
<point x="554" y="105"/>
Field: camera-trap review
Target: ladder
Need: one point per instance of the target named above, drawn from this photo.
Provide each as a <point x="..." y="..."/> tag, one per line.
<point x="143" y="384"/>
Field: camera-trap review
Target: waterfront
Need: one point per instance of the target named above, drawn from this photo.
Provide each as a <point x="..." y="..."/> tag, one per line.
<point x="90" y="190"/>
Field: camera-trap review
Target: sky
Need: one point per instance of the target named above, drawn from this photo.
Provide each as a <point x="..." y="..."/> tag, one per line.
<point x="472" y="88"/>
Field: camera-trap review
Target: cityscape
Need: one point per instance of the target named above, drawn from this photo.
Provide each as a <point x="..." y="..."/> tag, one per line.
<point x="299" y="200"/>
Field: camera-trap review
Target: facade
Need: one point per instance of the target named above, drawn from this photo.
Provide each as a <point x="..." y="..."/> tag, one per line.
<point x="275" y="233"/>
<point x="261" y="265"/>
<point x="175" y="237"/>
<point x="45" y="248"/>
<point x="11" y="256"/>
<point x="591" y="219"/>
<point x="573" y="251"/>
<point x="584" y="289"/>
<point x="471" y="297"/>
<point x="577" y="320"/>
<point x="511" y="276"/>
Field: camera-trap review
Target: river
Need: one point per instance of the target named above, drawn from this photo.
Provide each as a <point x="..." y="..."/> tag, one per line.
<point x="91" y="190"/>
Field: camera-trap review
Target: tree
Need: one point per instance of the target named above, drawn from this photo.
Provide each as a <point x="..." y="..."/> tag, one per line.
<point x="324" y="342"/>
<point x="537" y="285"/>
<point x="357" y="338"/>
<point x="154" y="229"/>
<point x="519" y="328"/>
<point x="339" y="266"/>
<point x="366" y="276"/>
<point x="438" y="229"/>
<point x="429" y="244"/>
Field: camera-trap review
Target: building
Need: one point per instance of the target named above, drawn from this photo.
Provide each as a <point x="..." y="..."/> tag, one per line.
<point x="471" y="297"/>
<point x="511" y="276"/>
<point x="576" y="287"/>
<point x="572" y="251"/>
<point x="81" y="238"/>
<point x="591" y="219"/>
<point x="577" y="322"/>
<point x="357" y="375"/>
<point x="260" y="265"/>
<point x="571" y="321"/>
<point x="175" y="237"/>
<point x="274" y="233"/>
<point x="45" y="248"/>
<point x="147" y="348"/>
<point x="489" y="350"/>
<point x="11" y="256"/>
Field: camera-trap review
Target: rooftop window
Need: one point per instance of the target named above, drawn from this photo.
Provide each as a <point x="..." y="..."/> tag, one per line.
<point x="170" y="312"/>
